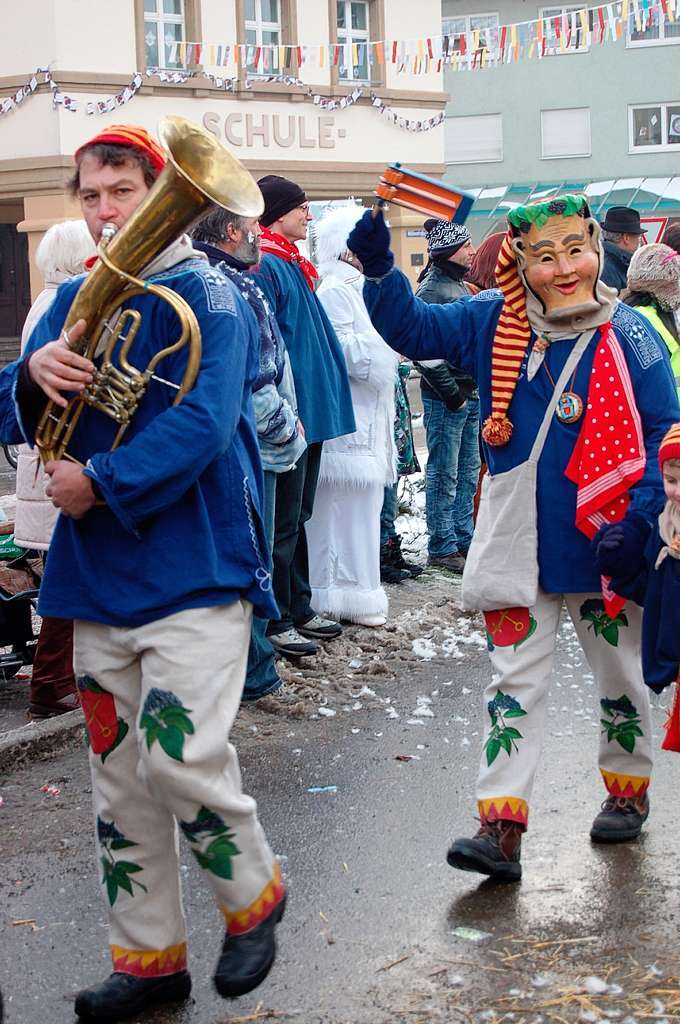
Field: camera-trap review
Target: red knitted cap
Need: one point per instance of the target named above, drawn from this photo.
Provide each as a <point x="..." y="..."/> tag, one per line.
<point x="670" y="446"/>
<point x="129" y="135"/>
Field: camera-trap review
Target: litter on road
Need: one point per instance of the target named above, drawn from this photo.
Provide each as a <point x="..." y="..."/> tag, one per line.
<point x="470" y="934"/>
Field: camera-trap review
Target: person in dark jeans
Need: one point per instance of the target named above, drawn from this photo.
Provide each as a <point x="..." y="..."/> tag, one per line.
<point x="324" y="402"/>
<point x="450" y="408"/>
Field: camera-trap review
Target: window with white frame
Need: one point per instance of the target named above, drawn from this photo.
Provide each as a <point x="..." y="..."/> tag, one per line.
<point x="648" y="26"/>
<point x="563" y="29"/>
<point x="565" y="133"/>
<point x="263" y="28"/>
<point x="474" y="139"/>
<point x="654" y="127"/>
<point x="164" y="25"/>
<point x="486" y="24"/>
<point x="353" y="36"/>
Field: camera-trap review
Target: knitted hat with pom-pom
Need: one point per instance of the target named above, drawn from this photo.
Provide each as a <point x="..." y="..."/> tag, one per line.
<point x="656" y="269"/>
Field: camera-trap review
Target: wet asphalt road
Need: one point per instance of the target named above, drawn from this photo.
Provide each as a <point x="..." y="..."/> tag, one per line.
<point x="370" y="930"/>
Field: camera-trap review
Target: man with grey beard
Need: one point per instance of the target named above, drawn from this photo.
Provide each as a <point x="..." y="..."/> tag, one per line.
<point x="232" y="245"/>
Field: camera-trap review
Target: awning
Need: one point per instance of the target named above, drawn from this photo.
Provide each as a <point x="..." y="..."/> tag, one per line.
<point x="659" y="196"/>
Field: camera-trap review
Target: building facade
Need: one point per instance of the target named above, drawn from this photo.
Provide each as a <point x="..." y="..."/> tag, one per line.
<point x="336" y="116"/>
<point x="603" y="118"/>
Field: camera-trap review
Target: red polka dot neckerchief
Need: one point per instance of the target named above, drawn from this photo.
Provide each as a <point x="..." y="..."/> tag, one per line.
<point x="609" y="456"/>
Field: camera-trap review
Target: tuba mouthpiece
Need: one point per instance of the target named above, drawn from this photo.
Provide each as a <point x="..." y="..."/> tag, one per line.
<point x="108" y="231"/>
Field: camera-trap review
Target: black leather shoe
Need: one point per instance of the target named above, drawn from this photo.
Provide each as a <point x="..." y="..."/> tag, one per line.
<point x="620" y="820"/>
<point x="388" y="574"/>
<point x="495" y="851"/>
<point x="391" y="553"/>
<point x="246" y="960"/>
<point x="125" y="995"/>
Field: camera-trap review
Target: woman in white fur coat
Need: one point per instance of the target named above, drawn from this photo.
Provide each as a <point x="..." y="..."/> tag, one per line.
<point x="343" y="535"/>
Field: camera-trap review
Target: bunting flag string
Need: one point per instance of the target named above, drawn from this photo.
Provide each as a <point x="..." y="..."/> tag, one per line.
<point x="9" y="103"/>
<point x="574" y="30"/>
<point x="478" y="49"/>
<point x="109" y="104"/>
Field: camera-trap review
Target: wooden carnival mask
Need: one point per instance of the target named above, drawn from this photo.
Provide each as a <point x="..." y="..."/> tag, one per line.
<point x="558" y="255"/>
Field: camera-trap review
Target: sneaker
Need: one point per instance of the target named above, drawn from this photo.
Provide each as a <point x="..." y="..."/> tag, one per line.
<point x="292" y="644"/>
<point x="125" y="995"/>
<point x="451" y="563"/>
<point x="320" y="629"/>
<point x="369" y="620"/>
<point x="494" y="851"/>
<point x="280" y="701"/>
<point x="620" y="820"/>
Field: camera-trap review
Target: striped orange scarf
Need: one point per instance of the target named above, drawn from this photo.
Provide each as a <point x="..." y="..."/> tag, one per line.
<point x="513" y="334"/>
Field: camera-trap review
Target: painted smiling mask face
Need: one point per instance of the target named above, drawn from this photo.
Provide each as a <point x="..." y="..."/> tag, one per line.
<point x="558" y="257"/>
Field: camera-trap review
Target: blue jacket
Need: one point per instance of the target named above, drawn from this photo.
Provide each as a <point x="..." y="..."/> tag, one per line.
<point x="181" y="527"/>
<point x="276" y="416"/>
<point x="658" y="591"/>
<point x="321" y="380"/>
<point x="616" y="263"/>
<point x="463" y="333"/>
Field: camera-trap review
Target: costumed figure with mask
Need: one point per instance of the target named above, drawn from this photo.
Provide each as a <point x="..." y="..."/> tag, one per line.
<point x="343" y="534"/>
<point x="605" y="413"/>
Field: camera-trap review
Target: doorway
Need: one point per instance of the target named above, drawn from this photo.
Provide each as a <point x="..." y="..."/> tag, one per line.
<point x="15" y="296"/>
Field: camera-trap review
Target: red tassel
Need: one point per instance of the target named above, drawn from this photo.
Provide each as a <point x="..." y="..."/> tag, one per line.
<point x="671" y="740"/>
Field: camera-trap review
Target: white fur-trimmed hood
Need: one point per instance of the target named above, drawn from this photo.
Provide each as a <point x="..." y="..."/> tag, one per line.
<point x="331" y="231"/>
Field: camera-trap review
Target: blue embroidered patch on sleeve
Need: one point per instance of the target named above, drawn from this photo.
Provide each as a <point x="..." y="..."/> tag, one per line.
<point x="218" y="292"/>
<point x="490" y="295"/>
<point x="639" y="336"/>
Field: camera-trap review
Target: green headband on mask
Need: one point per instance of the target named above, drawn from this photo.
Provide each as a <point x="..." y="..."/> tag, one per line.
<point x="539" y="213"/>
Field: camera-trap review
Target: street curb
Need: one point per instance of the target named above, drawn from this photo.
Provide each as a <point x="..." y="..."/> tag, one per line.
<point x="41" y="739"/>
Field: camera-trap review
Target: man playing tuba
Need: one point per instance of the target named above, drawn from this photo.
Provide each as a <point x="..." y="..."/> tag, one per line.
<point x="160" y="558"/>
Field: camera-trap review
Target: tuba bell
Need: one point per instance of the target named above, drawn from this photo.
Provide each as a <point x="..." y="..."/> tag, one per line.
<point x="199" y="173"/>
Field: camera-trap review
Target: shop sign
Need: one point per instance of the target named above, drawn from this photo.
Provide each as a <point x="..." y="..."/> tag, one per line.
<point x="270" y="130"/>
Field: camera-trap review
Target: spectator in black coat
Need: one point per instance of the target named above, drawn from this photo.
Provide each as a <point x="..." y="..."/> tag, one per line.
<point x="622" y="235"/>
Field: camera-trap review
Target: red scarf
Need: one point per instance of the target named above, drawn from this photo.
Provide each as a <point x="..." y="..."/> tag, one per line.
<point x="276" y="245"/>
<point x="609" y="455"/>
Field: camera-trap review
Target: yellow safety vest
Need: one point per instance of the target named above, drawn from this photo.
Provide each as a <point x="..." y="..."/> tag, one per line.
<point x="673" y="347"/>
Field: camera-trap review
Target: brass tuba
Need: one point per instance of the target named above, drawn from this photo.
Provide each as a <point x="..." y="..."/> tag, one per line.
<point x="200" y="172"/>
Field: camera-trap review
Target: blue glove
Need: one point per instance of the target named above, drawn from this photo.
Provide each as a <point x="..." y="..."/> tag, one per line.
<point x="369" y="240"/>
<point x="619" y="547"/>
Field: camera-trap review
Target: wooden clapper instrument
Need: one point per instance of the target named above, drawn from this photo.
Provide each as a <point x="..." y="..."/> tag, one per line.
<point x="426" y="195"/>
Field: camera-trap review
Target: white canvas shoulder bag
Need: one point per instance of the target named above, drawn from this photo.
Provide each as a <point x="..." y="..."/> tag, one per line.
<point x="501" y="568"/>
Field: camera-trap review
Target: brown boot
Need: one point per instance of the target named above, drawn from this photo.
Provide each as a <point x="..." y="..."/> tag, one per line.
<point x="451" y="563"/>
<point x="494" y="851"/>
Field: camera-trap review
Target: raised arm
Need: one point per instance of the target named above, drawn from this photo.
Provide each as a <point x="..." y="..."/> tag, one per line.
<point x="407" y="324"/>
